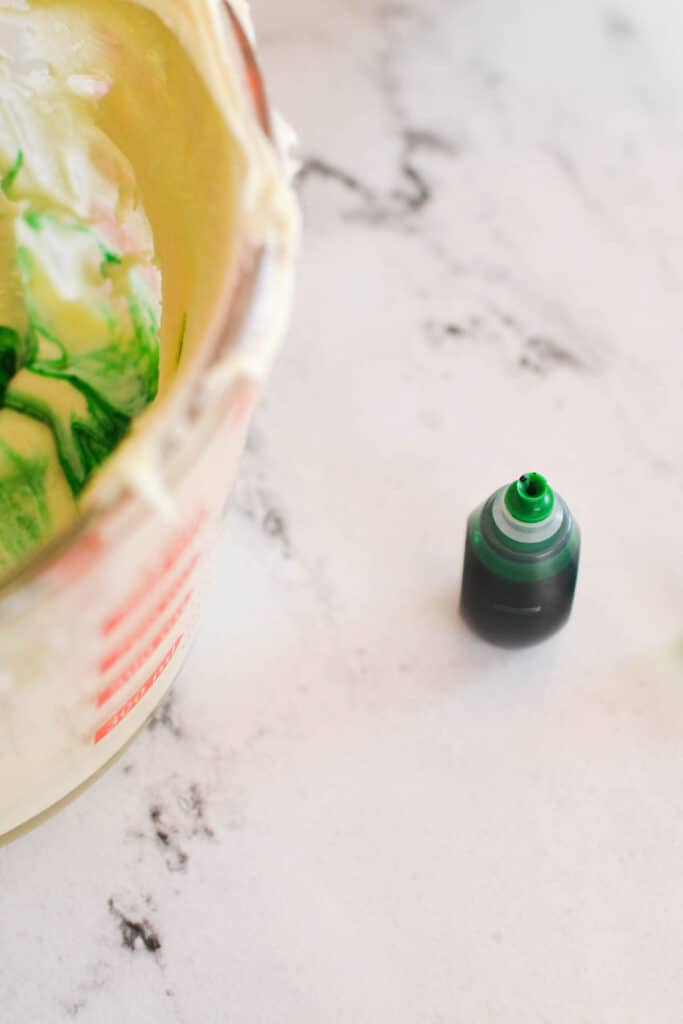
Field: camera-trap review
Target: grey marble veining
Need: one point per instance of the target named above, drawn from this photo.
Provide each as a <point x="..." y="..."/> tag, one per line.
<point x="350" y="810"/>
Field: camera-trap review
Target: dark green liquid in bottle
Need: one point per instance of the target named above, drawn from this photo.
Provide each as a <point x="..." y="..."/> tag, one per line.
<point x="521" y="564"/>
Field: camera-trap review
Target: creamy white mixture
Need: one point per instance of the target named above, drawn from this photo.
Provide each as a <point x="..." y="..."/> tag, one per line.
<point x="129" y="165"/>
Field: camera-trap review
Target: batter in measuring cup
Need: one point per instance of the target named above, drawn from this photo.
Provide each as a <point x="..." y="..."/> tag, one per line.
<point x="100" y="235"/>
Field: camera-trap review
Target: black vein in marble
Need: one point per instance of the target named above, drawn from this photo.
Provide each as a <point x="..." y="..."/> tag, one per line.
<point x="438" y="332"/>
<point x="413" y="193"/>
<point x="197" y="807"/>
<point x="135" y="935"/>
<point x="174" y="827"/>
<point x="316" y="167"/>
<point x="97" y="977"/>
<point x="175" y="857"/>
<point x="416" y="140"/>
<point x="275" y="526"/>
<point x="542" y="355"/>
<point x="258" y="506"/>
<point x="166" y="717"/>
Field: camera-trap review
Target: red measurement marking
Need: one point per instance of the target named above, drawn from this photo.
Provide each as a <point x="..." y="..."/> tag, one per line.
<point x="79" y="558"/>
<point x="172" y="556"/>
<point x="141" y="660"/>
<point x="107" y="663"/>
<point x="244" y="401"/>
<point x="131" y="704"/>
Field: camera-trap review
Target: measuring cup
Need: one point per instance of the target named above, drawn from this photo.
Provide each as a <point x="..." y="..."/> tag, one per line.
<point x="95" y="630"/>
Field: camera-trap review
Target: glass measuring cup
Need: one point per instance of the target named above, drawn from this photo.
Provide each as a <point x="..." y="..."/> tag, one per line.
<point x="94" y="631"/>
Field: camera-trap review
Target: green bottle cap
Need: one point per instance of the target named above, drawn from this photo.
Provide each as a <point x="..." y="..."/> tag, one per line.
<point x="530" y="499"/>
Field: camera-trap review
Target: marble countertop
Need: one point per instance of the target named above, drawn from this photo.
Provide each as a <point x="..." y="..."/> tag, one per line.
<point x="351" y="811"/>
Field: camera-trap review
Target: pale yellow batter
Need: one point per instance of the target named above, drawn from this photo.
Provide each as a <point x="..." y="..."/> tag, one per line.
<point x="117" y="213"/>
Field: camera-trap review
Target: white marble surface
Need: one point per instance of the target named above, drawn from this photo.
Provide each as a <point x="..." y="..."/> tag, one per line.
<point x="352" y="811"/>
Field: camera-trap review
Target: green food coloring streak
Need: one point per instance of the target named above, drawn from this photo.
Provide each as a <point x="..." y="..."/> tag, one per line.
<point x="24" y="513"/>
<point x="11" y="176"/>
<point x="181" y="343"/>
<point x="112" y="383"/>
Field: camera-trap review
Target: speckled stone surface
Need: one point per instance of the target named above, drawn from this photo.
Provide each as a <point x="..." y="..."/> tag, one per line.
<point x="351" y="811"/>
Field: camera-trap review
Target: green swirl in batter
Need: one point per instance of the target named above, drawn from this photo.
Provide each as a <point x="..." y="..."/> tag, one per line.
<point x="118" y="172"/>
<point x="83" y="363"/>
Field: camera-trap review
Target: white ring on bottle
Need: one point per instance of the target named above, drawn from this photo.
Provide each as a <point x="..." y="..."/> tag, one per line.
<point x="526" y="533"/>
